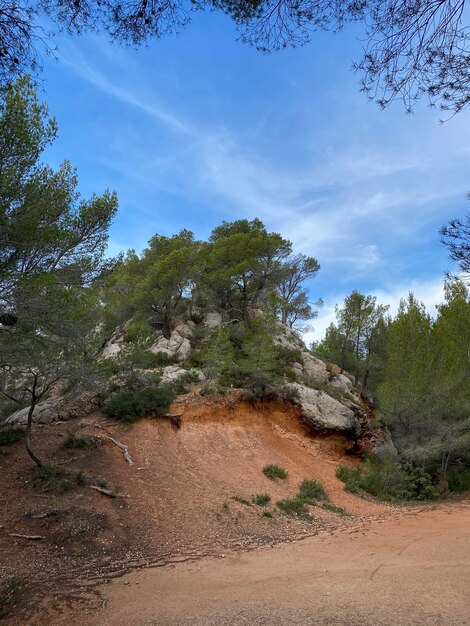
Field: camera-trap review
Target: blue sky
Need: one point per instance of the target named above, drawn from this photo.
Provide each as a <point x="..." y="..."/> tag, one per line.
<point x="198" y="128"/>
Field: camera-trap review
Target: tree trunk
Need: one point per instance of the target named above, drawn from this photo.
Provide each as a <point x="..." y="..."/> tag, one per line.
<point x="27" y="432"/>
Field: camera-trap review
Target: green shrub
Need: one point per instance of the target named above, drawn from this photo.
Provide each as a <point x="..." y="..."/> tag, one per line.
<point x="261" y="499"/>
<point x="208" y="390"/>
<point x="335" y="509"/>
<point x="388" y="481"/>
<point x="241" y="500"/>
<point x="73" y="441"/>
<point x="58" y="480"/>
<point x="458" y="479"/>
<point x="9" y="592"/>
<point x="418" y="484"/>
<point x="294" y="507"/>
<point x="109" y="367"/>
<point x="180" y="384"/>
<point x="311" y="490"/>
<point x="273" y="471"/>
<point x="350" y="476"/>
<point x="267" y="514"/>
<point x="10" y="435"/>
<point x="128" y="406"/>
<point x="138" y="332"/>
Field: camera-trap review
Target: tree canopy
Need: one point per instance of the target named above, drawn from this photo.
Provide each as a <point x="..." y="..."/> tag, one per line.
<point x="52" y="244"/>
<point x="412" y="47"/>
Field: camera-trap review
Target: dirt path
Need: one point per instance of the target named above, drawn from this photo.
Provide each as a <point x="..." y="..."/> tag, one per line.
<point x="413" y="569"/>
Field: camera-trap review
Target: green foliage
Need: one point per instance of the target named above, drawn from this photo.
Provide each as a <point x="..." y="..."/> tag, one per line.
<point x="10" y="435"/>
<point x="243" y="262"/>
<point x="241" y="500"/>
<point x="357" y="342"/>
<point x="52" y="244"/>
<point x="129" y="406"/>
<point x="57" y="480"/>
<point x="425" y="395"/>
<point x="218" y="355"/>
<point x="208" y="390"/>
<point x="294" y="507"/>
<point x="73" y="441"/>
<point x="138" y="332"/>
<point x="311" y="490"/>
<point x="9" y="590"/>
<point x="273" y="471"/>
<point x="261" y="499"/>
<point x="290" y="299"/>
<point x="334" y="509"/>
<point x="418" y="484"/>
<point x="181" y="384"/>
<point x="267" y="514"/>
<point x="458" y="479"/>
<point x="388" y="481"/>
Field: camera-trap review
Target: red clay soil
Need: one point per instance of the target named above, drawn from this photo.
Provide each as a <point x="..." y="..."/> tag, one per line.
<point x="411" y="570"/>
<point x="180" y="503"/>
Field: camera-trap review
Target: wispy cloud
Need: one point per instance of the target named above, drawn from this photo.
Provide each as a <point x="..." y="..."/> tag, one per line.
<point x="362" y="200"/>
<point x="124" y="93"/>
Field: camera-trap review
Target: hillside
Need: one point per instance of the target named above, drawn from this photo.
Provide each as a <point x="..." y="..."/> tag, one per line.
<point x="179" y="489"/>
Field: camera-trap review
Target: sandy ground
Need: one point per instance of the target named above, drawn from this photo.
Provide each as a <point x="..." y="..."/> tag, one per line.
<point x="409" y="570"/>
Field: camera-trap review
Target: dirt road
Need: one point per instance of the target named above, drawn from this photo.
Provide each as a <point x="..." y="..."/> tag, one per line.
<point x="414" y="569"/>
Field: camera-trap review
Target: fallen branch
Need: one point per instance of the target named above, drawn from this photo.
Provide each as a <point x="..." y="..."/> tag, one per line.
<point x="122" y="446"/>
<point x="73" y="458"/>
<point x="108" y="492"/>
<point x="32" y="537"/>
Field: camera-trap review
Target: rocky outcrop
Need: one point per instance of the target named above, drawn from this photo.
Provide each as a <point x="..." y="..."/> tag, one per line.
<point x="322" y="412"/>
<point x="115" y="345"/>
<point x="212" y="320"/>
<point x="178" y="345"/>
<point x="173" y="372"/>
<point x="56" y="409"/>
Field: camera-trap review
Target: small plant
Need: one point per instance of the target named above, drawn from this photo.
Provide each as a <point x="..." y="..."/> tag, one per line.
<point x="58" y="480"/>
<point x="10" y="435"/>
<point x="73" y="441"/>
<point x="225" y="506"/>
<point x="335" y="509"/>
<point x="267" y="514"/>
<point x="388" y="481"/>
<point x="261" y="499"/>
<point x="311" y="490"/>
<point x="180" y="385"/>
<point x="9" y="592"/>
<point x="128" y="406"/>
<point x="458" y="479"/>
<point x="208" y="390"/>
<point x="350" y="476"/>
<point x="273" y="471"/>
<point x="294" y="507"/>
<point x="241" y="500"/>
<point x="418" y="484"/>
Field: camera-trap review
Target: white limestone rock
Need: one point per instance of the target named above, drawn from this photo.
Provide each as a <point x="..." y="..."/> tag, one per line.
<point x="63" y="408"/>
<point x="323" y="412"/>
<point x="212" y="320"/>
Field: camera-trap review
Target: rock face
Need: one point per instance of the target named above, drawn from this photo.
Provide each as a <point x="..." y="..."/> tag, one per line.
<point x="327" y="396"/>
<point x="322" y="412"/>
<point x="212" y="320"/>
<point x="177" y="345"/>
<point x="173" y="372"/>
<point x="56" y="409"/>
<point x="115" y="345"/>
